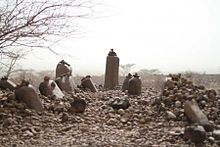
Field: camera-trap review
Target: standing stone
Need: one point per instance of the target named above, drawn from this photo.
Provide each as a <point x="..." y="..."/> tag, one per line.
<point x="63" y="68"/>
<point x="55" y="89"/>
<point x="195" y="114"/>
<point x="49" y="88"/>
<point x="7" y="84"/>
<point x="112" y="69"/>
<point x="86" y="82"/>
<point x="126" y="82"/>
<point x="134" y="86"/>
<point x="66" y="83"/>
<point x="44" y="87"/>
<point x="29" y="96"/>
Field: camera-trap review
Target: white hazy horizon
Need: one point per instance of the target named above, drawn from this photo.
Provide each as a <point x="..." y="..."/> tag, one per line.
<point x="171" y="35"/>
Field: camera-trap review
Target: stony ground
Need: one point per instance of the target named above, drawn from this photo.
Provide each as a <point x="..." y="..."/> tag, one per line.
<point x="100" y="125"/>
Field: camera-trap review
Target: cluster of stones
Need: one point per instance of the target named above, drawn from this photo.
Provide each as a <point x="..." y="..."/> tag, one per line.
<point x="108" y="114"/>
<point x="182" y="101"/>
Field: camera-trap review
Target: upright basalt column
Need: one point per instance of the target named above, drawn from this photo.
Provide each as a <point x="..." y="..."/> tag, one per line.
<point x="87" y="82"/>
<point x="126" y="82"/>
<point x="135" y="85"/>
<point x="63" y="68"/>
<point x="111" y="71"/>
<point x="64" y="77"/>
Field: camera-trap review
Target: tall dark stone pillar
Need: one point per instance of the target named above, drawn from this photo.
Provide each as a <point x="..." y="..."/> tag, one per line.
<point x="112" y="69"/>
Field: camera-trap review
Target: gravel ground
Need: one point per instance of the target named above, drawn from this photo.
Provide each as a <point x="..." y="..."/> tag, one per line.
<point x="100" y="125"/>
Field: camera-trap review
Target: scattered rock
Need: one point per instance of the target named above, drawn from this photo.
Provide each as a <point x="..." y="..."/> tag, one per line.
<point x="196" y="134"/>
<point x="78" y="106"/>
<point x="120" y="103"/>
<point x="171" y="115"/>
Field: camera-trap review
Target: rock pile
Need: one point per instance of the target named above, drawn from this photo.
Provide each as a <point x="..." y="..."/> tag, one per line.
<point x="181" y="100"/>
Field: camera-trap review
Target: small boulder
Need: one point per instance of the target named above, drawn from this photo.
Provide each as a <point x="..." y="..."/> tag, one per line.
<point x="118" y="103"/>
<point x="78" y="106"/>
<point x="196" y="134"/>
<point x="29" y="96"/>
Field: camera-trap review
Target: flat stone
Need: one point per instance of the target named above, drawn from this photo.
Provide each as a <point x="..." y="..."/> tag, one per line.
<point x="171" y="115"/>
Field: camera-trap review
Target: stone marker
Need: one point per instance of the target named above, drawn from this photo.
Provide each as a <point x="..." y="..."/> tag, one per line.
<point x="7" y="84"/>
<point x="134" y="86"/>
<point x="126" y="82"/>
<point x="196" y="134"/>
<point x="86" y="82"/>
<point x="55" y="89"/>
<point x="195" y="115"/>
<point x="63" y="68"/>
<point x="112" y="69"/>
<point x="44" y="88"/>
<point x="29" y="96"/>
<point x="66" y="83"/>
<point x="49" y="88"/>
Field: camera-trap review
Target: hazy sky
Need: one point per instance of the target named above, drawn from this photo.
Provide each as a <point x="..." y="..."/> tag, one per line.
<point x="170" y="35"/>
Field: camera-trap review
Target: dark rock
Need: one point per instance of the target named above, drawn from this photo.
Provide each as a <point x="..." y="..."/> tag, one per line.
<point x="111" y="71"/>
<point x="29" y="96"/>
<point x="87" y="82"/>
<point x="78" y="106"/>
<point x="63" y="68"/>
<point x="195" y="115"/>
<point x="65" y="117"/>
<point x="49" y="88"/>
<point x="44" y="87"/>
<point x="196" y="134"/>
<point x="135" y="85"/>
<point x="7" y="122"/>
<point x="7" y="84"/>
<point x="126" y="82"/>
<point x="120" y="103"/>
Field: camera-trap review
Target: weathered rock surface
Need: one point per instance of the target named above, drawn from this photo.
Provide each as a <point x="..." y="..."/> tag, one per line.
<point x="29" y="96"/>
<point x="144" y="123"/>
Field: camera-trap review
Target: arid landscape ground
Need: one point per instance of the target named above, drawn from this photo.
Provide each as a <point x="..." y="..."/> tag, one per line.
<point x="142" y="124"/>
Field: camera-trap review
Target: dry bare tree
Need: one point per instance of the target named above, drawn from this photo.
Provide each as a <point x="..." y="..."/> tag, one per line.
<point x="28" y="24"/>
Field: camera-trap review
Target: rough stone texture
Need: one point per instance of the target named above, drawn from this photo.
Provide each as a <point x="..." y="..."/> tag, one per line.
<point x="144" y="123"/>
<point x="196" y="134"/>
<point x="173" y="98"/>
<point x="87" y="83"/>
<point x="66" y="83"/>
<point x="78" y="106"/>
<point x="194" y="113"/>
<point x="111" y="72"/>
<point x="62" y="69"/>
<point x="7" y="84"/>
<point x="135" y="85"/>
<point x="120" y="103"/>
<point x="126" y="82"/>
<point x="29" y="96"/>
